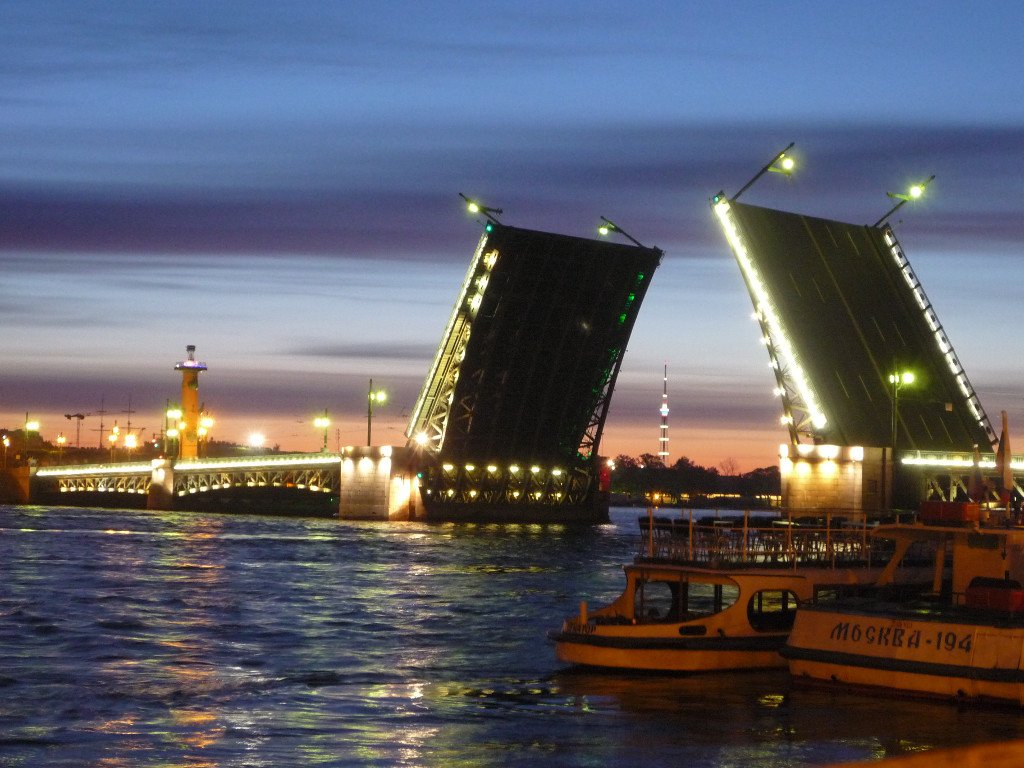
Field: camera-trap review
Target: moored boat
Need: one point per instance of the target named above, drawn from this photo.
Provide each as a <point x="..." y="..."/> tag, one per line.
<point x="719" y="594"/>
<point x="962" y="638"/>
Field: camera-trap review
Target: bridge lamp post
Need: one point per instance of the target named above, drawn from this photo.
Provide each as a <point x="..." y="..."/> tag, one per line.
<point x="131" y="442"/>
<point x="378" y="397"/>
<point x="915" y="192"/>
<point x="475" y="206"/>
<point x="7" y="444"/>
<point x="322" y="423"/>
<point x="608" y="227"/>
<point x="173" y="431"/>
<point x="782" y="163"/>
<point x="115" y="432"/>
<point x="203" y="432"/>
<point x="898" y="380"/>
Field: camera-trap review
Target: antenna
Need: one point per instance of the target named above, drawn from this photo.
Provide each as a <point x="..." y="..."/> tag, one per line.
<point x="663" y="438"/>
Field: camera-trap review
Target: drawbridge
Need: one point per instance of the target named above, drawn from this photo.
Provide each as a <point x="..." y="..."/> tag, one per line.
<point x="509" y="419"/>
<point x="857" y="351"/>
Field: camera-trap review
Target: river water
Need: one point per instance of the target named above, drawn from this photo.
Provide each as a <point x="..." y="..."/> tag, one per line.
<point x="131" y="638"/>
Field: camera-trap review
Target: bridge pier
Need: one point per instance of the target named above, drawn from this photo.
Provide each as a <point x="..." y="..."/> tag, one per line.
<point x="161" y="487"/>
<point x="14" y="485"/>
<point x="379" y="483"/>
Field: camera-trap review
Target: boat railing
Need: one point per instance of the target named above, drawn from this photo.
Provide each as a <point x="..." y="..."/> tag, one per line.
<point x="833" y="539"/>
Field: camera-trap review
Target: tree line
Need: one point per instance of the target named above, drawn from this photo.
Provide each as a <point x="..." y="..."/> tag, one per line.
<point x="641" y="478"/>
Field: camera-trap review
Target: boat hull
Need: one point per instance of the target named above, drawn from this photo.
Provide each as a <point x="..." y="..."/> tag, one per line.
<point x="667" y="654"/>
<point x="944" y="657"/>
<point x="739" y="632"/>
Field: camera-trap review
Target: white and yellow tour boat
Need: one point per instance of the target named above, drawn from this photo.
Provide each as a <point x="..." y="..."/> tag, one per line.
<point x="719" y="594"/>
<point x="962" y="638"/>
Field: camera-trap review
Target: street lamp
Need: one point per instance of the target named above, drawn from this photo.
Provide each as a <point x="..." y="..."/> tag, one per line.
<point x="379" y="397"/>
<point x="475" y="206"/>
<point x="7" y="444"/>
<point x="173" y="427"/>
<point x="898" y="380"/>
<point x="61" y="440"/>
<point x="205" y="425"/>
<point x="610" y="226"/>
<point x="322" y="423"/>
<point x="915" y="192"/>
<point x="781" y="163"/>
<point x="115" y="432"/>
<point x="31" y="425"/>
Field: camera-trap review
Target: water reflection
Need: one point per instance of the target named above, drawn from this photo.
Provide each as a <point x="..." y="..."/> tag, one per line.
<point x="137" y="638"/>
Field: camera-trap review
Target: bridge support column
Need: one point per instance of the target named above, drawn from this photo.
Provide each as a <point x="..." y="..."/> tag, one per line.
<point x="161" y="487"/>
<point x="14" y="485"/>
<point x="378" y="483"/>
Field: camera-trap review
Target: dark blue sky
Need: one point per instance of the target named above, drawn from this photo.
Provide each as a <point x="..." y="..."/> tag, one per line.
<point x="277" y="184"/>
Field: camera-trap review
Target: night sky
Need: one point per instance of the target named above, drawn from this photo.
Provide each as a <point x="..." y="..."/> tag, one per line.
<point x="277" y="183"/>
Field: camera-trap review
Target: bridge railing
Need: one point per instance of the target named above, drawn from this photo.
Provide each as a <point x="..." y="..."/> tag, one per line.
<point x="191" y="465"/>
<point x="95" y="470"/>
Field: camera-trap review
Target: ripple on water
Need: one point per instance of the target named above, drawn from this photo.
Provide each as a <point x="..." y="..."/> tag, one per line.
<point x="139" y="638"/>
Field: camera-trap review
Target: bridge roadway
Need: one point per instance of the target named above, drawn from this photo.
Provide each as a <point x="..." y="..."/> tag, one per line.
<point x="369" y="482"/>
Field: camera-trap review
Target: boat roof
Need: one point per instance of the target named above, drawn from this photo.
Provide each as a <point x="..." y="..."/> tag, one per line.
<point x="922" y="532"/>
<point x="821" y="573"/>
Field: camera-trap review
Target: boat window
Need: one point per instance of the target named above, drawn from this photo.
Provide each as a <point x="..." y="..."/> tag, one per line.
<point x="657" y="601"/>
<point x="772" y="610"/>
<point x="676" y="601"/>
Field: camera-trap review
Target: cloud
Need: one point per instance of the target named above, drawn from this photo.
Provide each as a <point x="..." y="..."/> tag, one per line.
<point x="655" y="180"/>
<point x="368" y="351"/>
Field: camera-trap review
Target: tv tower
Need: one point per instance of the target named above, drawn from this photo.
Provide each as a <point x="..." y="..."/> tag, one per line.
<point x="663" y="439"/>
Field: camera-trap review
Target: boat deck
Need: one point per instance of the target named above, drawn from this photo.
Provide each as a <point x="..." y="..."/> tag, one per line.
<point x="759" y="541"/>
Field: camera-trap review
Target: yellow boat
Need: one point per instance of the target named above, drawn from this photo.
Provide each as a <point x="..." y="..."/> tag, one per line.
<point x="718" y="595"/>
<point x="961" y="639"/>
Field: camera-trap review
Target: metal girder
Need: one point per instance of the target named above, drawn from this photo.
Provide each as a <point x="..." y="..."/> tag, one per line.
<point x="433" y="409"/>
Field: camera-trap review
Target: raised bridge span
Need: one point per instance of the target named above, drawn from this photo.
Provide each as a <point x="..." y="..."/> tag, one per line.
<point x="860" y="361"/>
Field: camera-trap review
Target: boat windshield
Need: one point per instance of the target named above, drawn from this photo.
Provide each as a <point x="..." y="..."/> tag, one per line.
<point x="673" y="600"/>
